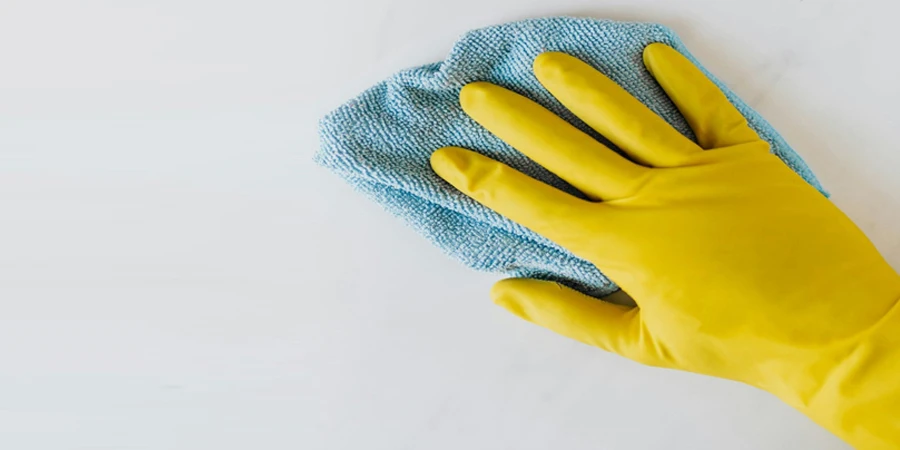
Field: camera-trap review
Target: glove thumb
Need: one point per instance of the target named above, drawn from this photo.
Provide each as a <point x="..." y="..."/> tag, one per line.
<point x="611" y="327"/>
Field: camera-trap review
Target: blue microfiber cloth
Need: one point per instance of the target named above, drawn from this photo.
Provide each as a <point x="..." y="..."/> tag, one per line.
<point x="380" y="141"/>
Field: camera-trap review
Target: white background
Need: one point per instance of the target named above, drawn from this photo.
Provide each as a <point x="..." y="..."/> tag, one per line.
<point x="176" y="274"/>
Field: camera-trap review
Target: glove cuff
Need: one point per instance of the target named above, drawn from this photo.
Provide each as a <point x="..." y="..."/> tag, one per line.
<point x="859" y="399"/>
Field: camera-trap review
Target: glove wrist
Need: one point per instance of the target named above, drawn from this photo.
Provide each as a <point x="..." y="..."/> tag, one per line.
<point x="858" y="398"/>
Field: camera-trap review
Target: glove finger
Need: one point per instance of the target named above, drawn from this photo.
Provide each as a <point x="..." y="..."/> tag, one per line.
<point x="715" y="121"/>
<point x="573" y="155"/>
<point x="540" y="207"/>
<point x="611" y="327"/>
<point x="612" y="111"/>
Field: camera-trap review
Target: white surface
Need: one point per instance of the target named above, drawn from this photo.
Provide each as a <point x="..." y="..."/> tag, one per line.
<point x="176" y="274"/>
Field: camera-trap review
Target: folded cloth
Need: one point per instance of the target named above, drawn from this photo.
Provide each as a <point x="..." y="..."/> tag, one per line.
<point x="380" y="141"/>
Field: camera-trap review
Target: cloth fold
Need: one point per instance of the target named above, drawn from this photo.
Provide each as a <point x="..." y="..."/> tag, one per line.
<point x="380" y="141"/>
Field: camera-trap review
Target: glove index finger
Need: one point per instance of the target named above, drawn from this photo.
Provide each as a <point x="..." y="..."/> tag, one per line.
<point x="537" y="206"/>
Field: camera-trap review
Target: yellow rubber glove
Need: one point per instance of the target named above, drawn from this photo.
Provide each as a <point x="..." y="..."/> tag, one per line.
<point x="740" y="269"/>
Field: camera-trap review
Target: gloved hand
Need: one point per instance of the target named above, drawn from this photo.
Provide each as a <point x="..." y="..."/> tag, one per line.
<point x="740" y="269"/>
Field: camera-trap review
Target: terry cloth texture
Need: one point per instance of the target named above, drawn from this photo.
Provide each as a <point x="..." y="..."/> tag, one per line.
<point x="380" y="141"/>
